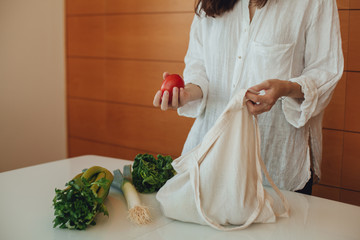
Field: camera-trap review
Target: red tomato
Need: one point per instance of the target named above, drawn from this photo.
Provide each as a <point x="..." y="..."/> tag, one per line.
<point x="171" y="81"/>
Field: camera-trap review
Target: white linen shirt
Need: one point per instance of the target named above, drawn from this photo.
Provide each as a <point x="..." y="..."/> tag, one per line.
<point x="294" y="40"/>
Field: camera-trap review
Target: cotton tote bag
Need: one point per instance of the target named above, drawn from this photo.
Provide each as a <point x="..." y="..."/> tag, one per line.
<point x="219" y="182"/>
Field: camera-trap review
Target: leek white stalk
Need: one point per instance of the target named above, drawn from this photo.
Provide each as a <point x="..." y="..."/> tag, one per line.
<point x="137" y="212"/>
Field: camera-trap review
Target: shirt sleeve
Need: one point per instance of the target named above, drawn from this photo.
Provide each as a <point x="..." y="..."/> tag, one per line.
<point x="194" y="71"/>
<point x="324" y="65"/>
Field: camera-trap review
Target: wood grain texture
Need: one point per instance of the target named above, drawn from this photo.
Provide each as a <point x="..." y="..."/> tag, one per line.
<point x="354" y="41"/>
<point x="130" y="36"/>
<point x="87" y="119"/>
<point x="86" y="36"/>
<point x="352" y="103"/>
<point x="116" y="80"/>
<point x="141" y="6"/>
<point x="332" y="157"/>
<point x="80" y="147"/>
<point x="327" y="192"/>
<point x="85" y="6"/>
<point x="350" y="177"/>
<point x="354" y="4"/>
<point x="148" y="36"/>
<point x="334" y="116"/>
<point x="86" y="78"/>
<point x="137" y="82"/>
<point x="129" y="126"/>
<point x="343" y="4"/>
<point x="350" y="197"/>
<point x="135" y="6"/>
<point x="124" y="6"/>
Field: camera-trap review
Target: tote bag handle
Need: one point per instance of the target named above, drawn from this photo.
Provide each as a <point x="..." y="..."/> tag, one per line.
<point x="195" y="173"/>
<point x="266" y="173"/>
<point x="195" y="180"/>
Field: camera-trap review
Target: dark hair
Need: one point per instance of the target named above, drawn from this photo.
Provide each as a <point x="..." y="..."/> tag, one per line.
<point x="214" y="8"/>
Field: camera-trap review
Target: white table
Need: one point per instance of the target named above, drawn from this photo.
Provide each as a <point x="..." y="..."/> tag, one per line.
<point x="26" y="212"/>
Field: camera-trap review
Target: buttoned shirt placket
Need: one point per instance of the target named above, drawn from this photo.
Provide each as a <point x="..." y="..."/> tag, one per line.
<point x="246" y="35"/>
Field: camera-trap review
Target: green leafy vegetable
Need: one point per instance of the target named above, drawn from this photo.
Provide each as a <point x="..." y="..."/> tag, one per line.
<point x="77" y="205"/>
<point x="150" y="174"/>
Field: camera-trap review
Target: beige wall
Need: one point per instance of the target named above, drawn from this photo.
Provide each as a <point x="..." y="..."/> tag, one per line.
<point x="32" y="82"/>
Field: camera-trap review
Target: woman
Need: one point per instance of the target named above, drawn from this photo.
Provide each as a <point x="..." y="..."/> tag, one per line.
<point x="290" y="52"/>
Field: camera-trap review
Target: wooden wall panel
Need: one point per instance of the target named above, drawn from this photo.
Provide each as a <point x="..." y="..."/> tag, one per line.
<point x="87" y="119"/>
<point x="116" y="80"/>
<point x="85" y="36"/>
<point x="350" y="177"/>
<point x="129" y="126"/>
<point x="148" y="36"/>
<point x="147" y="128"/>
<point x="334" y="116"/>
<point x="86" y="78"/>
<point x="351" y="197"/>
<point x="332" y="157"/>
<point x="354" y="41"/>
<point x="76" y="7"/>
<point x="352" y="106"/>
<point x="116" y="54"/>
<point x="80" y="147"/>
<point x="85" y="6"/>
<point x="135" y="6"/>
<point x="326" y="192"/>
<point x="129" y="36"/>
<point x="136" y="82"/>
<point x="125" y="6"/>
<point x="354" y="4"/>
<point x="340" y="157"/>
<point x="343" y="4"/>
<point x="344" y="28"/>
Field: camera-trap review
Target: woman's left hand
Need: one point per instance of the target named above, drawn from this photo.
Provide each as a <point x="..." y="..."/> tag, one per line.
<point x="274" y="89"/>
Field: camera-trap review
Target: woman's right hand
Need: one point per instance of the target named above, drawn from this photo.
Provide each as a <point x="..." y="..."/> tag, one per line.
<point x="179" y="96"/>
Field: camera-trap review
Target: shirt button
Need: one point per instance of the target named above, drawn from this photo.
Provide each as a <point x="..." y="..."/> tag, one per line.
<point x="239" y="57"/>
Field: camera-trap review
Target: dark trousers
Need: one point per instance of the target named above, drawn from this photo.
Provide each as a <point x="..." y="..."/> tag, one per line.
<point x="308" y="186"/>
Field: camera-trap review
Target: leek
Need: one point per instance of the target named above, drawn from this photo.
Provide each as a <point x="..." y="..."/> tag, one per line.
<point x="137" y="212"/>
